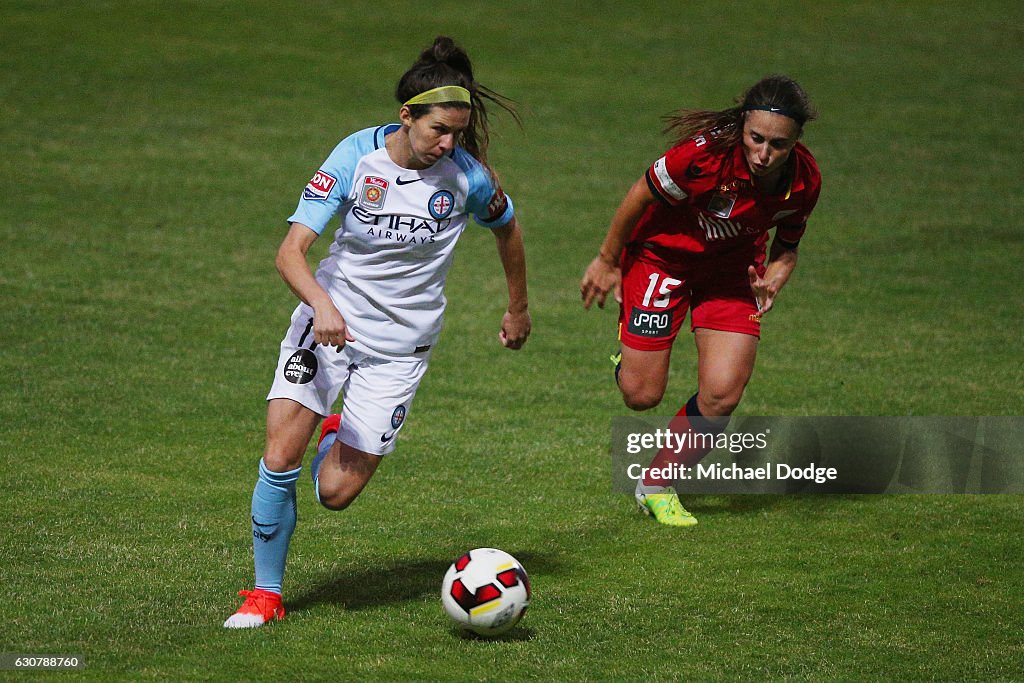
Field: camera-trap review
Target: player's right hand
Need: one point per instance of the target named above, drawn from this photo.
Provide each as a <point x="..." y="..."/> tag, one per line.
<point x="329" y="328"/>
<point x="601" y="277"/>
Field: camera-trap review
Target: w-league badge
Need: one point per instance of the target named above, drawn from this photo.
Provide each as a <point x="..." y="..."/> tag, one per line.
<point x="372" y="195"/>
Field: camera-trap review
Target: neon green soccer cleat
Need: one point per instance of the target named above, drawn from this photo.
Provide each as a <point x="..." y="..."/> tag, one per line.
<point x="616" y="359"/>
<point x="665" y="507"/>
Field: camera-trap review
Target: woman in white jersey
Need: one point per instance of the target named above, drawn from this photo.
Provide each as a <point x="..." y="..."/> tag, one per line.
<point x="371" y="314"/>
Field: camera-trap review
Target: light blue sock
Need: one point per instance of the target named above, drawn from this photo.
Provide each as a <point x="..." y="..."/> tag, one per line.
<point x="273" y="521"/>
<point x="321" y="453"/>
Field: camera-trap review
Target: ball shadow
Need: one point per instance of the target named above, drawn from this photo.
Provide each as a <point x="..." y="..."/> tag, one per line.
<point x="394" y="582"/>
<point x="517" y="634"/>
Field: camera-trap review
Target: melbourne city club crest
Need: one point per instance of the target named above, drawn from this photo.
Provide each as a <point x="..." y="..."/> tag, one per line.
<point x="441" y="204"/>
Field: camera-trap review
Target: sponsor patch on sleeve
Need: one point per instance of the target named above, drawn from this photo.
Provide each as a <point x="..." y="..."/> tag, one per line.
<point x="319" y="186"/>
<point x="496" y="207"/>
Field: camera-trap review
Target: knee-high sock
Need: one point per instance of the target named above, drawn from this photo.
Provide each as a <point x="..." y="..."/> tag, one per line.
<point x="273" y="521"/>
<point x="689" y="425"/>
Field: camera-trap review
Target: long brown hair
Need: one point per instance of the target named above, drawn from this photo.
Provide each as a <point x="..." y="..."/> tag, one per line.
<point x="724" y="128"/>
<point x="445" y="63"/>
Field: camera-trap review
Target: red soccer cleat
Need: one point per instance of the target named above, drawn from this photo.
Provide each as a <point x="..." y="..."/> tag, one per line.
<point x="260" y="606"/>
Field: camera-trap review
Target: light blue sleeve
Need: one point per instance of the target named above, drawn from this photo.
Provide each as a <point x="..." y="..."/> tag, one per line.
<point x="488" y="204"/>
<point x="331" y="184"/>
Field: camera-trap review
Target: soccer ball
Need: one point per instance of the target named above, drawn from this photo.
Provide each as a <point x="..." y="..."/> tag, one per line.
<point x="486" y="591"/>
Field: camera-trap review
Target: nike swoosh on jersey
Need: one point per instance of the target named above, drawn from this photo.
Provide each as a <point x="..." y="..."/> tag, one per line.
<point x="384" y="438"/>
<point x="407" y="182"/>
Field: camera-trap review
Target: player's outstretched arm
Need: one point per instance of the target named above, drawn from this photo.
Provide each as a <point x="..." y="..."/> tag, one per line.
<point x="516" y="323"/>
<point x="329" y="327"/>
<point x="604" y="274"/>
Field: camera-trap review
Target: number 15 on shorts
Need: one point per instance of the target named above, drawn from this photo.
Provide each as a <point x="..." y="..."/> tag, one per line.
<point x="663" y="292"/>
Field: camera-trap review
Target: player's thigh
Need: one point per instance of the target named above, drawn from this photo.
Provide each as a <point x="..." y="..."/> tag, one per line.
<point x="290" y="425"/>
<point x="725" y="362"/>
<point x="306" y="383"/>
<point x="655" y="300"/>
<point x="378" y="396"/>
<point x="721" y="299"/>
<point x="307" y="372"/>
<point x="654" y="304"/>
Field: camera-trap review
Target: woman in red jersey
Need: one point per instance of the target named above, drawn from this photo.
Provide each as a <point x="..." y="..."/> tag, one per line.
<point x="692" y="234"/>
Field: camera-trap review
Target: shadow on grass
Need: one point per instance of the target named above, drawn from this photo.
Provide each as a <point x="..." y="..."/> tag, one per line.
<point x="397" y="581"/>
<point x="517" y="634"/>
<point x="747" y="504"/>
<point x="731" y="505"/>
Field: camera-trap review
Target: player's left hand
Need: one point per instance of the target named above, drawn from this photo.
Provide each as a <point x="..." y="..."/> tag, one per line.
<point x="764" y="290"/>
<point x="515" y="328"/>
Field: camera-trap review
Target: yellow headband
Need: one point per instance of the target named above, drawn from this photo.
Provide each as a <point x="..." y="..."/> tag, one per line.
<point x="442" y="95"/>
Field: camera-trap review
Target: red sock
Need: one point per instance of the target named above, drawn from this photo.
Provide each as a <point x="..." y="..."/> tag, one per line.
<point x="697" y="435"/>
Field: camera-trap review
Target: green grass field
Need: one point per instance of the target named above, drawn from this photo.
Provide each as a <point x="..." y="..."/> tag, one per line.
<point x="151" y="152"/>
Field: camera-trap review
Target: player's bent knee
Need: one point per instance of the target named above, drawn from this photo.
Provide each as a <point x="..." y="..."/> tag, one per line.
<point x="641" y="391"/>
<point x="337" y="501"/>
<point x="277" y="461"/>
<point x="339" y="493"/>
<point x="720" y="403"/>
<point x="334" y="506"/>
<point x="642" y="398"/>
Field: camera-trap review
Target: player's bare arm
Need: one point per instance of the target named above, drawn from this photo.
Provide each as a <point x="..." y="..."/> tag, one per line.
<point x="781" y="264"/>
<point x="329" y="327"/>
<point x="516" y="323"/>
<point x="604" y="275"/>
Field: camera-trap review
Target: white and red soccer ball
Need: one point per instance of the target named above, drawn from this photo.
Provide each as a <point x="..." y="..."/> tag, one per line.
<point x="486" y="591"/>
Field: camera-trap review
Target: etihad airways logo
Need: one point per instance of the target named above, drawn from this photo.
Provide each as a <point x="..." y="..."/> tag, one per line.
<point x="412" y="229"/>
<point x="722" y="228"/>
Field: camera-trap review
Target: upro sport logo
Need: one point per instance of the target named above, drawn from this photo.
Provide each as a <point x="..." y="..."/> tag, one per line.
<point x="650" y="323"/>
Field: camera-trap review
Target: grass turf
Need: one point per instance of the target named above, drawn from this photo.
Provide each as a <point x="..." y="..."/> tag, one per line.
<point x="151" y="153"/>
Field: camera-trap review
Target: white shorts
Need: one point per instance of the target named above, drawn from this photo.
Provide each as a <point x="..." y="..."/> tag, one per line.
<point x="377" y="392"/>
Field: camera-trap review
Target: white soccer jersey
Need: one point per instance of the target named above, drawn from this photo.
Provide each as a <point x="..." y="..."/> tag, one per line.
<point x="391" y="254"/>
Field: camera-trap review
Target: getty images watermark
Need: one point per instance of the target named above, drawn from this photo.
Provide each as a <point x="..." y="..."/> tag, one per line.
<point x="826" y="455"/>
<point x="734" y="443"/>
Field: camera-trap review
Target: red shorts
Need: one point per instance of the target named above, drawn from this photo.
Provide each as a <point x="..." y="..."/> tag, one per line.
<point x="656" y="296"/>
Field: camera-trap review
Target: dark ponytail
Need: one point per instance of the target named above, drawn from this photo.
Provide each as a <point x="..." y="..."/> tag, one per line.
<point x="724" y="128"/>
<point x="445" y="63"/>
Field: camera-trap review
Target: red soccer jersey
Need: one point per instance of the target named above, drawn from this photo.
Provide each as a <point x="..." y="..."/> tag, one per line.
<point x="709" y="205"/>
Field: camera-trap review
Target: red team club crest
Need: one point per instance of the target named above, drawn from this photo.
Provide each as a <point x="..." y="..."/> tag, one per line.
<point x="373" y="192"/>
<point x="319" y="186"/>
